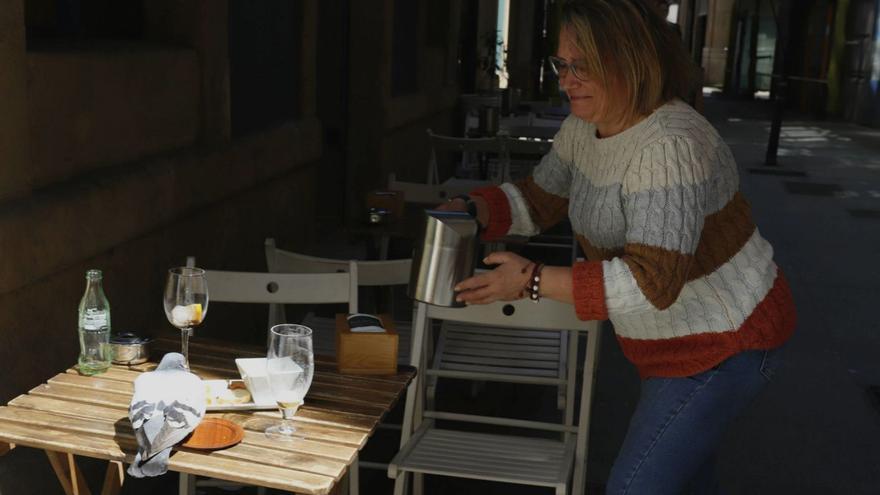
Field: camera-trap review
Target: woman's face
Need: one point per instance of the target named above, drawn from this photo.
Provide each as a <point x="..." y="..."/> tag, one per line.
<point x="589" y="98"/>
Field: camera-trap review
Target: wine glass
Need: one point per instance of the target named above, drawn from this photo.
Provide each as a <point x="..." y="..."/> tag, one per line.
<point x="186" y="302"/>
<point x="290" y="365"/>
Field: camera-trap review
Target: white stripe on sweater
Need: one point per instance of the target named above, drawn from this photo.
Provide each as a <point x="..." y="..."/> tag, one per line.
<point x="718" y="302"/>
<point x="522" y="223"/>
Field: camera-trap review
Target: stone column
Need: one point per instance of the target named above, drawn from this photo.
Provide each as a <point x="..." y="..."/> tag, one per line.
<point x="309" y="92"/>
<point x="369" y="59"/>
<point x="717" y="39"/>
<point x="523" y="56"/>
<point x="15" y="177"/>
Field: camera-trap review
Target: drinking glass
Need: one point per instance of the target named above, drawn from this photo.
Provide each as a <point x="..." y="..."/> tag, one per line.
<point x="186" y="302"/>
<point x="290" y="366"/>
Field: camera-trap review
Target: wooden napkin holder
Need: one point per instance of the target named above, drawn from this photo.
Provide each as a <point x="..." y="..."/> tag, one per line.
<point x="365" y="353"/>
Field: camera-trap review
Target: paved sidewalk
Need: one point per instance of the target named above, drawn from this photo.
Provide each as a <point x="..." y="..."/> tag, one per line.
<point x="816" y="429"/>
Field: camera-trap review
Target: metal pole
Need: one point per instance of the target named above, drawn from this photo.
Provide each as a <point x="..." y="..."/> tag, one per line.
<point x="776" y="125"/>
<point x="780" y="82"/>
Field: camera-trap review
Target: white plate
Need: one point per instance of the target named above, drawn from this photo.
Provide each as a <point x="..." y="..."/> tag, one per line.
<point x="245" y="406"/>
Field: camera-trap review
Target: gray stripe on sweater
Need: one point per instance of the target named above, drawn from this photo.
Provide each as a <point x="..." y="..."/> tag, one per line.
<point x="552" y="175"/>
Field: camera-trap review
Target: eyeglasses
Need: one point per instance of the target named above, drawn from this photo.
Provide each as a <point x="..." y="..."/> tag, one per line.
<point x="561" y="68"/>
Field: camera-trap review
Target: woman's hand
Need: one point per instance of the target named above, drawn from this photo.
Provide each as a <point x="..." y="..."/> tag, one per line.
<point x="456" y="204"/>
<point x="459" y="204"/>
<point x="506" y="282"/>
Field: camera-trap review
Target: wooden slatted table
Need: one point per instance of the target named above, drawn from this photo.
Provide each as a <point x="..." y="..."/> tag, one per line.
<point x="74" y="415"/>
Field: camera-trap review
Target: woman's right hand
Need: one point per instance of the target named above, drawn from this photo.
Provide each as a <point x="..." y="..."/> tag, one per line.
<point x="456" y="204"/>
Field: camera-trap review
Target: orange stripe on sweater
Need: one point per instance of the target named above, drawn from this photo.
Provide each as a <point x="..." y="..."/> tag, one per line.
<point x="589" y="290"/>
<point x="769" y="326"/>
<point x="499" y="212"/>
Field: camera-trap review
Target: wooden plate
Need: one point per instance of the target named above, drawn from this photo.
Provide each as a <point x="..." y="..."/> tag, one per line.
<point x="213" y="434"/>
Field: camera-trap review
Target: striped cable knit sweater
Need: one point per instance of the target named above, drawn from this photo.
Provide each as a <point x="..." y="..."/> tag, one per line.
<point x="673" y="256"/>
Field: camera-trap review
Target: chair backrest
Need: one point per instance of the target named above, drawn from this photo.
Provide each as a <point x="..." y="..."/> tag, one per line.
<point x="368" y="273"/>
<point x="489" y="145"/>
<point x="524" y="315"/>
<point x="530" y="147"/>
<point x="433" y="194"/>
<point x="548" y="315"/>
<point x="283" y="288"/>
<point x="523" y="155"/>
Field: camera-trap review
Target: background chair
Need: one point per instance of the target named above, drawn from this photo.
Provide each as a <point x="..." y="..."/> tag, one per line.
<point x="367" y="274"/>
<point x="530" y="460"/>
<point x="277" y="289"/>
<point x="523" y="155"/>
<point x="474" y="151"/>
<point x="471" y="150"/>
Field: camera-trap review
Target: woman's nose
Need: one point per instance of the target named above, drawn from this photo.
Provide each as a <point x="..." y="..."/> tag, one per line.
<point x="567" y="79"/>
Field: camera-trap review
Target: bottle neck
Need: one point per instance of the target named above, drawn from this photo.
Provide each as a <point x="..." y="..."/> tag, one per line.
<point x="94" y="293"/>
<point x="94" y="279"/>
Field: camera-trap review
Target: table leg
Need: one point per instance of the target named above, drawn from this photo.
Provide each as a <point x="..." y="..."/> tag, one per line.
<point x="114" y="478"/>
<point x="354" y="471"/>
<point x="68" y="473"/>
<point x="5" y="448"/>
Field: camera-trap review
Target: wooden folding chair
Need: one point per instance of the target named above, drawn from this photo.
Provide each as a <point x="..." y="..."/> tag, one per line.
<point x="557" y="463"/>
<point x="368" y="274"/>
<point x="277" y="289"/>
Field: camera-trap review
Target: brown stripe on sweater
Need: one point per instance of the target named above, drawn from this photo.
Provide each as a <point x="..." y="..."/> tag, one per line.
<point x="546" y="209"/>
<point x="660" y="273"/>
<point x="594" y="253"/>
<point x="724" y="233"/>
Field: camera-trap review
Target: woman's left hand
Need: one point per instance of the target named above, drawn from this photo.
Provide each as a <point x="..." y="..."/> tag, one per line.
<point x="505" y="283"/>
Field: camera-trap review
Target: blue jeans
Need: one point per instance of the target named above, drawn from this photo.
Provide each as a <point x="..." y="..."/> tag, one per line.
<point x="678" y="424"/>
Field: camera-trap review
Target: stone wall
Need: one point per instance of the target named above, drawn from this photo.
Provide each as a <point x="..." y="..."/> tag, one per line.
<point x="118" y="157"/>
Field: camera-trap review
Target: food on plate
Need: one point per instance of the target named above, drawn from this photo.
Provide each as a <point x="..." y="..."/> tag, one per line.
<point x="222" y="392"/>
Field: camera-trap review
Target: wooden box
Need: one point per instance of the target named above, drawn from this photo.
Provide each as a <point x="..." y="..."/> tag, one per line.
<point x="366" y="353"/>
<point x="393" y="201"/>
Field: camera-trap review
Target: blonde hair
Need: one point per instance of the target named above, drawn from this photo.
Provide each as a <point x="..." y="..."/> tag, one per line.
<point x="628" y="45"/>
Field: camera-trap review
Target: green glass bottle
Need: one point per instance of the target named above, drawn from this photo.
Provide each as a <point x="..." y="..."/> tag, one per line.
<point x="94" y="327"/>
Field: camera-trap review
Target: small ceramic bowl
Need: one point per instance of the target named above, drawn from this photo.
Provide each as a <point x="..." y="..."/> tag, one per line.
<point x="253" y="372"/>
<point x="129" y="348"/>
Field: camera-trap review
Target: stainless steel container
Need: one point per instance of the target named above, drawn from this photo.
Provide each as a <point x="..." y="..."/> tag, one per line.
<point x="129" y="348"/>
<point x="445" y="257"/>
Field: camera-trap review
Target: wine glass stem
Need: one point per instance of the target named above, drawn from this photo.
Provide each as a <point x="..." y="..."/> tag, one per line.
<point x="184" y="344"/>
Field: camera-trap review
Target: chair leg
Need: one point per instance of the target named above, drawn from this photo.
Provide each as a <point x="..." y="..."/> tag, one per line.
<point x="414" y="392"/>
<point x="400" y="483"/>
<point x="187" y="484"/>
<point x="583" y="434"/>
<point x="418" y="484"/>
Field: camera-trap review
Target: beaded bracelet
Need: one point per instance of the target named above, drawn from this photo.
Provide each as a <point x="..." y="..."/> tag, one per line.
<point x="534" y="285"/>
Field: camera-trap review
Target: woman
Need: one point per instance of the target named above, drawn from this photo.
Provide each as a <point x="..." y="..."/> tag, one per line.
<point x="674" y="259"/>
